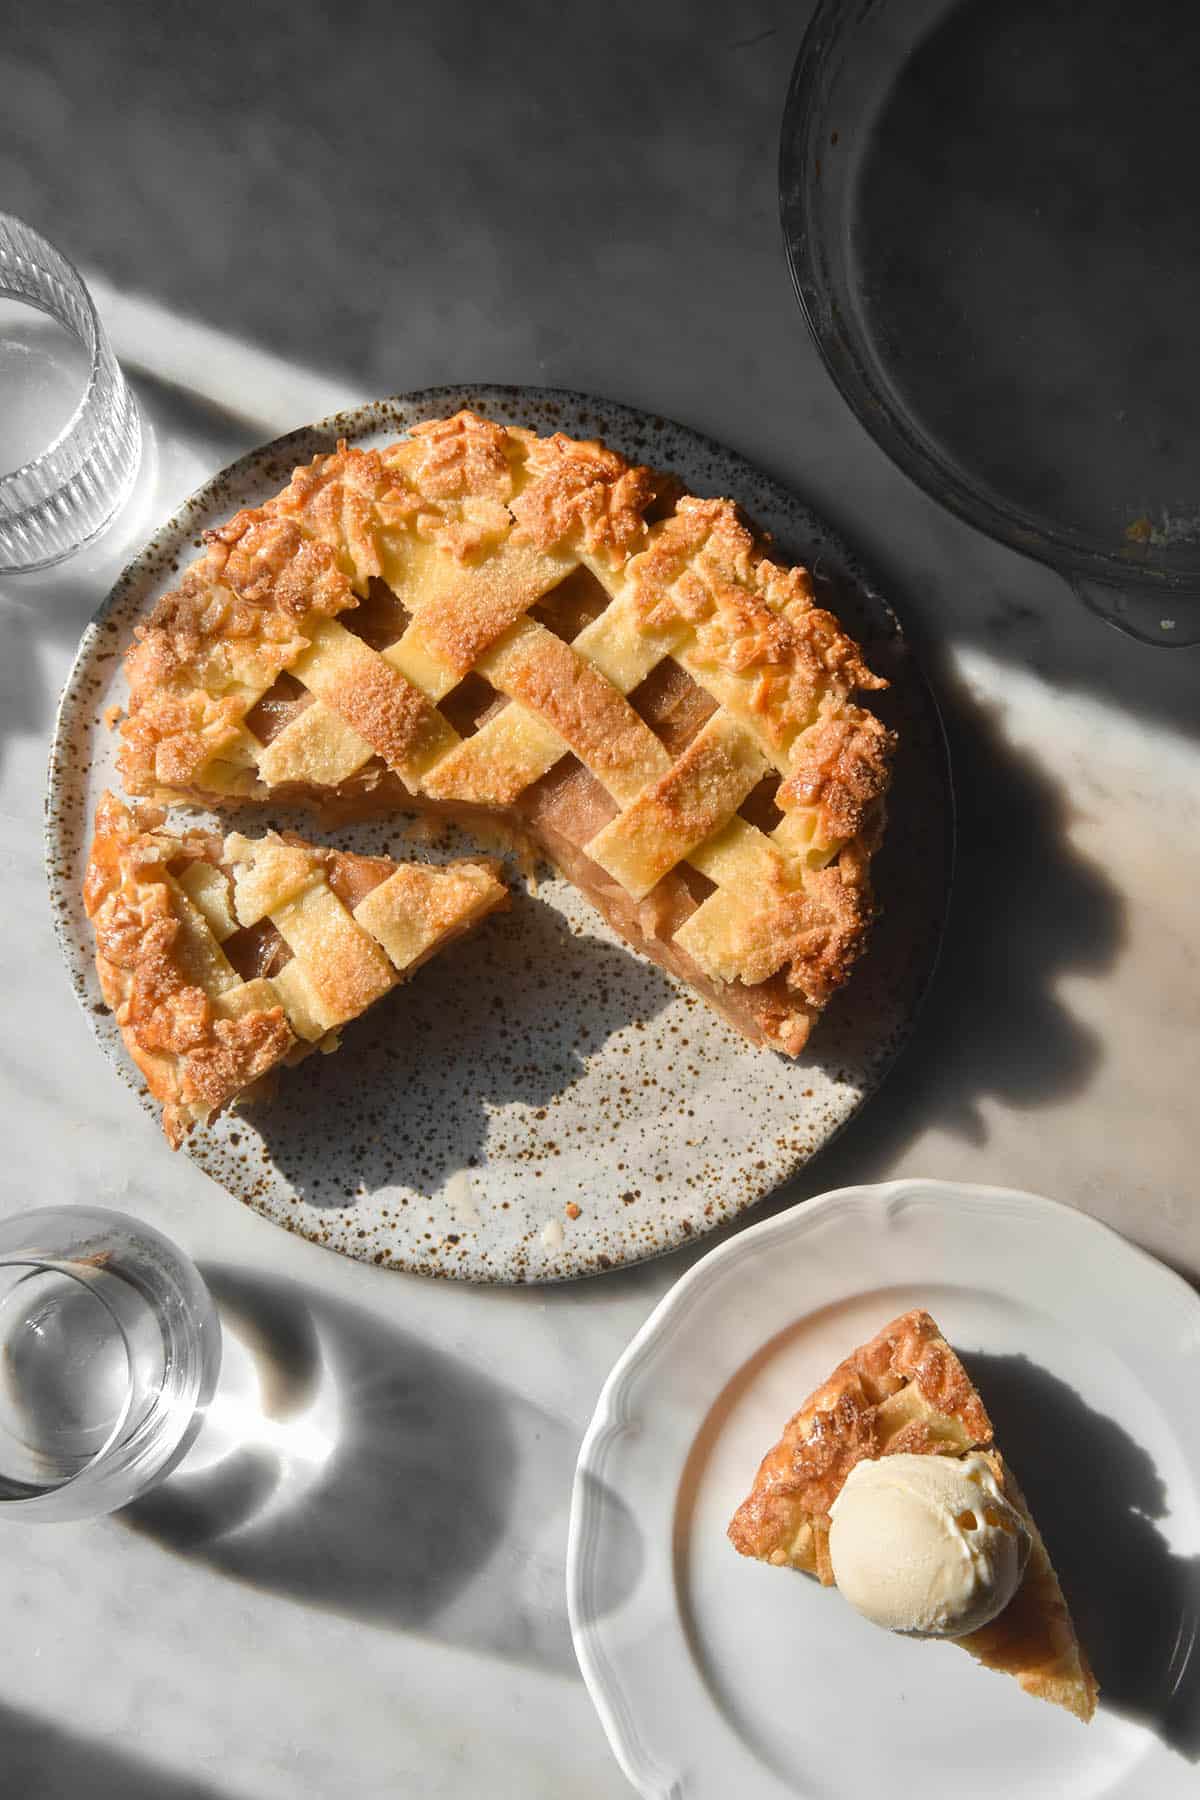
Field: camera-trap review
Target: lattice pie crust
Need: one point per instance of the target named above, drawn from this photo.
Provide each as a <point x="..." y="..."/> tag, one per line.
<point x="477" y="619"/>
<point x="222" y="958"/>
<point x="906" y="1391"/>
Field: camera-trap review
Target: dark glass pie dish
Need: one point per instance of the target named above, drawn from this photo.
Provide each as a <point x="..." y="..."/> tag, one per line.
<point x="989" y="216"/>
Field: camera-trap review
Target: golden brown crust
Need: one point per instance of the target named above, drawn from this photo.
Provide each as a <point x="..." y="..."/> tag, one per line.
<point x="840" y="1424"/>
<point x="688" y="804"/>
<point x="587" y="712"/>
<point x="461" y="623"/>
<point x="767" y="1014"/>
<point x="387" y="711"/>
<point x="193" y="1061"/>
<point x="1034" y="1638"/>
<point x="906" y="1391"/>
<point x="333" y="929"/>
<point x="347" y="502"/>
<point x="813" y="933"/>
<point x="462" y="456"/>
<point x="232" y="1057"/>
<point x="236" y="617"/>
<point x="841" y="765"/>
<point x="584" y="493"/>
<point x="749" y="615"/>
<point x="471" y="524"/>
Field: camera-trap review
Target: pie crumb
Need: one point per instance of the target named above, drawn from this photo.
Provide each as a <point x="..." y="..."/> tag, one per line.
<point x="572" y="1210"/>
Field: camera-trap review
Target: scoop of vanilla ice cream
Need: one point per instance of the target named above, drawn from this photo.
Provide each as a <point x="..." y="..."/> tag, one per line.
<point x="926" y="1543"/>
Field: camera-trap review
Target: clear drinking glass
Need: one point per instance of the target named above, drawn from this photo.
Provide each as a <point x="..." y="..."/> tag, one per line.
<point x="109" y="1352"/>
<point x="70" y="436"/>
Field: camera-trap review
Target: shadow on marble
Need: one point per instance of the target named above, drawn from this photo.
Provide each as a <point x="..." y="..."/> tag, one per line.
<point x="511" y="1017"/>
<point x="352" y="1466"/>
<point x="180" y="413"/>
<point x="1075" y="652"/>
<point x="44" y="1761"/>
<point x="612" y="1577"/>
<point x="417" y="247"/>
<point x="1027" y="910"/>
<point x="950" y="583"/>
<point x="1136" y="1604"/>
<point x="688" y="310"/>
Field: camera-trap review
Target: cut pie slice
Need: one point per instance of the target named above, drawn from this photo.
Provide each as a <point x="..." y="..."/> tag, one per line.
<point x="486" y="622"/>
<point x="222" y="958"/>
<point x="907" y="1392"/>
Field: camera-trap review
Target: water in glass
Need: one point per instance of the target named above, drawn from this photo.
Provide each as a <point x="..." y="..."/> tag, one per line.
<point x="109" y="1351"/>
<point x="43" y="377"/>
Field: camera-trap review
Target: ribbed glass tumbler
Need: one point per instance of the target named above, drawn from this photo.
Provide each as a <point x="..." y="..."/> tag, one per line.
<point x="64" y="495"/>
<point x="110" y="1347"/>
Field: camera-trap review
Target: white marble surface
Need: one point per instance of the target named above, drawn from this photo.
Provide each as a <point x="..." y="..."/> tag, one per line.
<point x="393" y="1621"/>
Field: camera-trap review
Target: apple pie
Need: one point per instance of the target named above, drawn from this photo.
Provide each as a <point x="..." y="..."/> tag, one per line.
<point x="532" y="632"/>
<point x="223" y="958"/>
<point x="906" y="1392"/>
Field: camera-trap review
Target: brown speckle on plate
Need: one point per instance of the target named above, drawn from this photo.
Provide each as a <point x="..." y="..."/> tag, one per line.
<point x="451" y="1121"/>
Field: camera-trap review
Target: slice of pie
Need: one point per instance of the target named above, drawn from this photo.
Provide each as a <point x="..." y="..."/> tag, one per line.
<point x="223" y="958"/>
<point x="907" y="1392"/>
<point x="484" y="622"/>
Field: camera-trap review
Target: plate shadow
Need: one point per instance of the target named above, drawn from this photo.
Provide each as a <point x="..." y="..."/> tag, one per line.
<point x="1028" y="908"/>
<point x="512" y="1016"/>
<point x="355" y="1467"/>
<point x="44" y="1761"/>
<point x="1136" y="1603"/>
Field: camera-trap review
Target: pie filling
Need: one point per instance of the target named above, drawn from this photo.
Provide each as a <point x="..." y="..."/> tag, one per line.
<point x="559" y="813"/>
<point x="260" y="950"/>
<point x="534" y="638"/>
<point x="224" y="958"/>
<point x="906" y="1392"/>
<point x="567" y="806"/>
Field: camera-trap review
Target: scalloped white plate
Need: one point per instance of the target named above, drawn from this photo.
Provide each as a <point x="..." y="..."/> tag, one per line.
<point x="722" y="1679"/>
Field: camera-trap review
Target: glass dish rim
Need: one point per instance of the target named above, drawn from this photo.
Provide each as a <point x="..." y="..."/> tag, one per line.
<point x="1073" y="555"/>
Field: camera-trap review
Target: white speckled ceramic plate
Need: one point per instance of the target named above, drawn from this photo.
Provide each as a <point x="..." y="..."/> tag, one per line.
<point x="716" y="1677"/>
<point x="541" y="1063"/>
